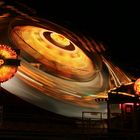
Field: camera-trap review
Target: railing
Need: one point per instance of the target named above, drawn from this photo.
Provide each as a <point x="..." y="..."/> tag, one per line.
<point x="93" y="122"/>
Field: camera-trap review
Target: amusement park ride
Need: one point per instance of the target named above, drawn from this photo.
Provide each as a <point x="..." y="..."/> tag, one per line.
<point x="59" y="70"/>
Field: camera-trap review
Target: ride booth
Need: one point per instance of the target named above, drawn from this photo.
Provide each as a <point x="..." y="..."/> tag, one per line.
<point x="123" y="108"/>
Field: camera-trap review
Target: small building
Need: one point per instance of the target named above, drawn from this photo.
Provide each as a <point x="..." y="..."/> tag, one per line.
<point x="123" y="107"/>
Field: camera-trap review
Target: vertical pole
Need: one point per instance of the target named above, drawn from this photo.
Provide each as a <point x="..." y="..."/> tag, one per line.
<point x="108" y="115"/>
<point x="83" y="124"/>
<point x="134" y="117"/>
<point x="1" y="105"/>
<point x="122" y="116"/>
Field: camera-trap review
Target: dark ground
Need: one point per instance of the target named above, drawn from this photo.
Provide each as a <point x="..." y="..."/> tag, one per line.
<point x="24" y="121"/>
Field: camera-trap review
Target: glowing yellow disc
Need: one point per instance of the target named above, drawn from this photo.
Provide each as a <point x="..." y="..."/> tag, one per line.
<point x="60" y="39"/>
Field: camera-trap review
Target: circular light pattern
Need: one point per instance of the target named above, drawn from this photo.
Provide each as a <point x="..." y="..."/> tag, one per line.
<point x="6" y="71"/>
<point x="60" y="39"/>
<point x="137" y="87"/>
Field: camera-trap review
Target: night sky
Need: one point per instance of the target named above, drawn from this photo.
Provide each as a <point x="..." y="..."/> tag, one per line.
<point x="116" y="24"/>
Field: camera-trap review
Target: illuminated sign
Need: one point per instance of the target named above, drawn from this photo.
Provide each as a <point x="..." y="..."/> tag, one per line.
<point x="8" y="63"/>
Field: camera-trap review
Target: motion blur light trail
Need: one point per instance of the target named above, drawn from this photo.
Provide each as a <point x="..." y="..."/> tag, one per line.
<point x="66" y="72"/>
<point x="56" y="52"/>
<point x="60" y="71"/>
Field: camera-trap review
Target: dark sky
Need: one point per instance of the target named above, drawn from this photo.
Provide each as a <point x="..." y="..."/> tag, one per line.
<point x="116" y="24"/>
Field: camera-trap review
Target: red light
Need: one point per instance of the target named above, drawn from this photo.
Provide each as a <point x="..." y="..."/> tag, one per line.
<point x="125" y="106"/>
